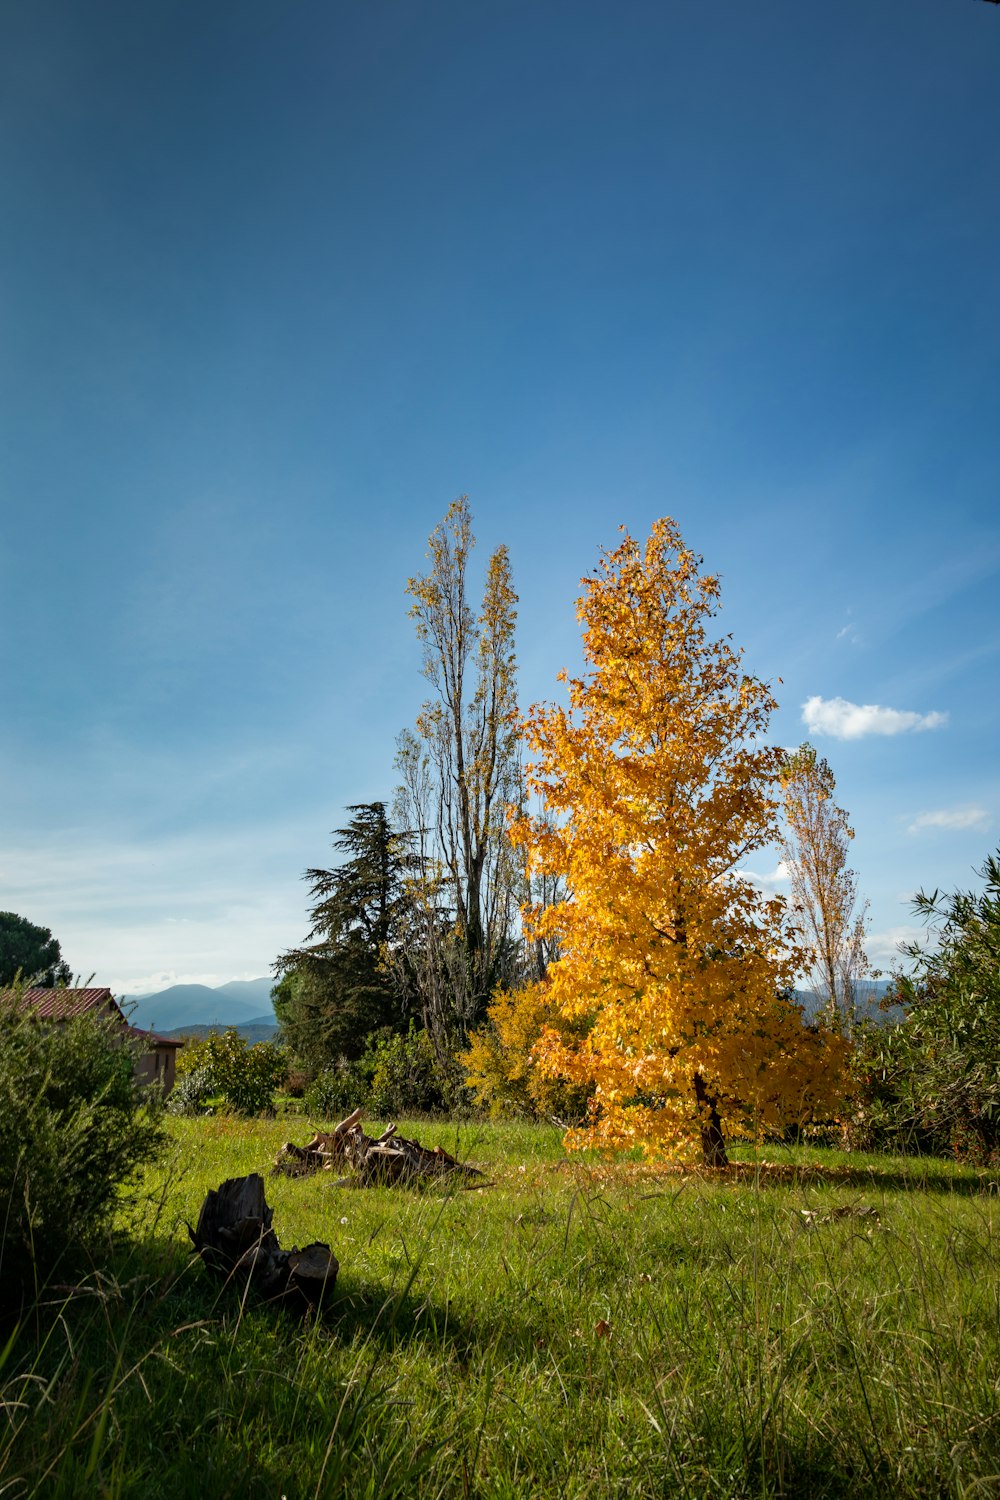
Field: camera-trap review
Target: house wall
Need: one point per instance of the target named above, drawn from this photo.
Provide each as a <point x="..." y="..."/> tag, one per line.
<point x="158" y="1065"/>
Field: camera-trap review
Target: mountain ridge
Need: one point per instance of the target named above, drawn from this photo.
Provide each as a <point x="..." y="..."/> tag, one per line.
<point x="240" y="1002"/>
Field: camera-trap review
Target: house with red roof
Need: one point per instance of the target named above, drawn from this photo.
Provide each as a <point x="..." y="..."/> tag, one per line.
<point x="156" y="1056"/>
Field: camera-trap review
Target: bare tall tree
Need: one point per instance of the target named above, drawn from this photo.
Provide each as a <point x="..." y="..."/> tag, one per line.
<point x="824" y="889"/>
<point x="467" y="736"/>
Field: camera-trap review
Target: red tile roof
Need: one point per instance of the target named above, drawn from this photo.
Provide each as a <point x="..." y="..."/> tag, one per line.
<point x="62" y="1005"/>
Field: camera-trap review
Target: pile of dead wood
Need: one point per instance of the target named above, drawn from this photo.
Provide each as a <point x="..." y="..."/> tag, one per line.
<point x="235" y="1240"/>
<point x="389" y="1158"/>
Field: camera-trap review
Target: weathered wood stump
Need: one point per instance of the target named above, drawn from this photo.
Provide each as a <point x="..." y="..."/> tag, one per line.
<point x="390" y="1158"/>
<point x="235" y="1240"/>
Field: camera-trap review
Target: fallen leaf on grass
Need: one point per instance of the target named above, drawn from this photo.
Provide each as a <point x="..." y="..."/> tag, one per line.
<point x="811" y="1216"/>
<point x="603" y="1329"/>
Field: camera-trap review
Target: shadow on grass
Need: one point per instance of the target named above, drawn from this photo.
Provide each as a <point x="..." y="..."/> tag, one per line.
<point x="770" y="1174"/>
<point x="890" y="1178"/>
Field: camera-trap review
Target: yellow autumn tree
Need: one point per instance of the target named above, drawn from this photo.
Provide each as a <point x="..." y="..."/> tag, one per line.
<point x="657" y="784"/>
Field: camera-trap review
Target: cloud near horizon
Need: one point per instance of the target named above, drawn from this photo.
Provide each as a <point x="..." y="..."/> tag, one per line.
<point x="951" y="817"/>
<point x="883" y="948"/>
<point x="139" y="914"/>
<point x="852" y="721"/>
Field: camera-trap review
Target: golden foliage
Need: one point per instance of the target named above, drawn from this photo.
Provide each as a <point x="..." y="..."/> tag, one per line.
<point x="658" y="783"/>
<point x="500" y="1063"/>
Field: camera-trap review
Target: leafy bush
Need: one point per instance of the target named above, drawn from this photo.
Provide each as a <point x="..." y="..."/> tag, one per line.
<point x="191" y="1092"/>
<point x="406" y="1076"/>
<point x="192" y="1057"/>
<point x="246" y="1075"/>
<point x="397" y="1075"/>
<point x="74" y="1129"/>
<point x="500" y="1065"/>
<point x="336" y="1091"/>
<point x="933" y="1082"/>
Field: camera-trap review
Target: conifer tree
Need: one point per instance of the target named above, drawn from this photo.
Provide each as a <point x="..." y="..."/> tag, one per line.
<point x="335" y="990"/>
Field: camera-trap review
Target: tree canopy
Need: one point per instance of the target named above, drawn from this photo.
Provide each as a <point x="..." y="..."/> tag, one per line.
<point x="334" y="991"/>
<point x="30" y="951"/>
<point x="658" y="783"/>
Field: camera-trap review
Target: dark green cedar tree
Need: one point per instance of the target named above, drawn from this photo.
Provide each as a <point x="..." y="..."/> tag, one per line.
<point x="335" y="990"/>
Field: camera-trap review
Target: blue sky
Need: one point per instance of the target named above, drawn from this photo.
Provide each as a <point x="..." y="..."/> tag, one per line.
<point x="278" y="281"/>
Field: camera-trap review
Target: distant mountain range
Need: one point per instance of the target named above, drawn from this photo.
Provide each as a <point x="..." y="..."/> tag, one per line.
<point x="240" y="1003"/>
<point x="252" y="1032"/>
<point x="869" y="993"/>
<point x="245" y="1004"/>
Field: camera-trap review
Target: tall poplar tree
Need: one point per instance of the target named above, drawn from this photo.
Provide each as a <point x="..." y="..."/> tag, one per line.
<point x="815" y="848"/>
<point x="461" y="769"/>
<point x="659" y="784"/>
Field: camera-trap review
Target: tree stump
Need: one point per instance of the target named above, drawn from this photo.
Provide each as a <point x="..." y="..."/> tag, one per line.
<point x="235" y="1241"/>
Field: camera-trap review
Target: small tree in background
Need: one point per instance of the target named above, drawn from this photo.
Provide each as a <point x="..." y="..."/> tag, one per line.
<point x="660" y="784"/>
<point x="31" y="952"/>
<point x="933" y="1082"/>
<point x="824" y="889"/>
<point x="247" y="1076"/>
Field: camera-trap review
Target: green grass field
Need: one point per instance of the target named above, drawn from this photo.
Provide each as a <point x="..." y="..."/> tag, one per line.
<point x="572" y="1329"/>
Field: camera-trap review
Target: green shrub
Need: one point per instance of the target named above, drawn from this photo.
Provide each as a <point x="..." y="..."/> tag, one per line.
<point x="191" y="1092"/>
<point x="396" y="1075"/>
<point x="246" y="1075"/>
<point x="932" y="1083"/>
<point x="406" y="1076"/>
<point x="192" y="1057"/>
<point x="74" y="1128"/>
<point x="336" y="1091"/>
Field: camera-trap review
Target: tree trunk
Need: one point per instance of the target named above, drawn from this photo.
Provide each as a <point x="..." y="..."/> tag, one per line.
<point x="713" y="1142"/>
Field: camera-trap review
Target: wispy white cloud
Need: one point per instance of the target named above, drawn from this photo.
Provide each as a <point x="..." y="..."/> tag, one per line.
<point x="850" y="632"/>
<point x="139" y="913"/>
<point x="883" y="947"/>
<point x="768" y="882"/>
<point x="852" y="721"/>
<point x="951" y="817"/>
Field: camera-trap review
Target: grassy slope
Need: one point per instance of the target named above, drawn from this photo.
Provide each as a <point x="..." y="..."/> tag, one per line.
<point x="570" y="1330"/>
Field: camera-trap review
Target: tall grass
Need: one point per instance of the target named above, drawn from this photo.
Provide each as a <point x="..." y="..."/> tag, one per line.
<point x="572" y="1329"/>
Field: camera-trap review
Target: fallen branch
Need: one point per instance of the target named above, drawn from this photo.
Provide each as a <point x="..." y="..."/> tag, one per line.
<point x="324" y="1151"/>
<point x="389" y="1158"/>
